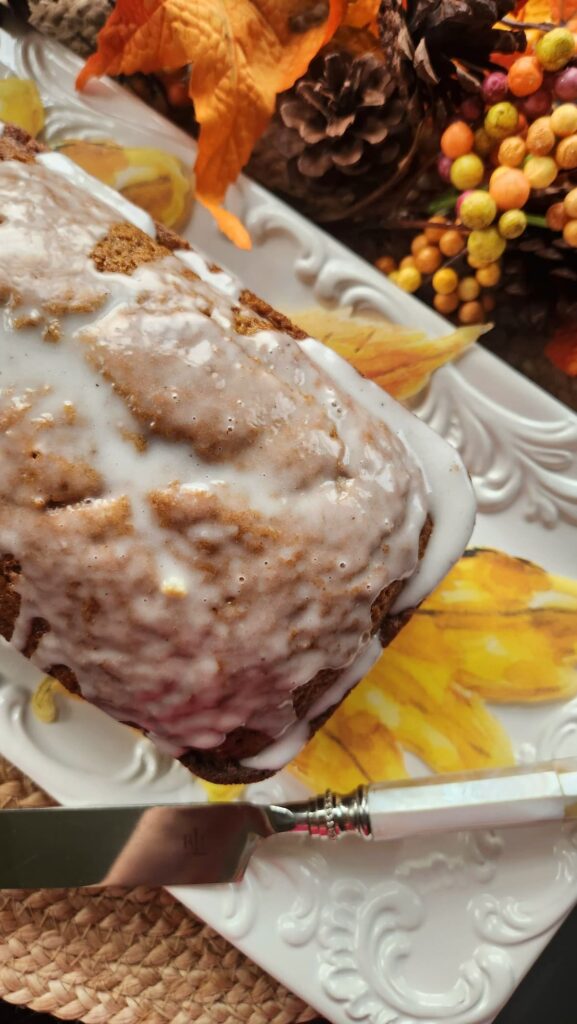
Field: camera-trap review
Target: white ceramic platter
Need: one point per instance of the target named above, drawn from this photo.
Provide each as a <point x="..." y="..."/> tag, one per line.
<point x="422" y="931"/>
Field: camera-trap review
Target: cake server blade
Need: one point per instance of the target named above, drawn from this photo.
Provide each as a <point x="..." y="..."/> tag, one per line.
<point x="187" y="844"/>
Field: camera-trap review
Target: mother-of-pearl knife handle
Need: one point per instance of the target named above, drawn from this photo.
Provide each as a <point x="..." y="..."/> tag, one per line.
<point x="489" y="799"/>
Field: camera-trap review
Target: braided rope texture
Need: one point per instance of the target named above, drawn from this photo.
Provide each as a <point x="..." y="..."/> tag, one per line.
<point x="120" y="956"/>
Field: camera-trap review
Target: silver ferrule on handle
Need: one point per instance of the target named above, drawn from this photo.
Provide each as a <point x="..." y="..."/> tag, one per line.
<point x="331" y="815"/>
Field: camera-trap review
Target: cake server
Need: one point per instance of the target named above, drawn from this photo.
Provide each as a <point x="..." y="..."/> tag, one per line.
<point x="187" y="844"/>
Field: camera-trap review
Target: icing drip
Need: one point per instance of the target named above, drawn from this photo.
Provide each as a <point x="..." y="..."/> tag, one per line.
<point x="202" y="511"/>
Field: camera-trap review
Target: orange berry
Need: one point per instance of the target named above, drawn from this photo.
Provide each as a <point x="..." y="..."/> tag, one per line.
<point x="566" y="153"/>
<point x="570" y="203"/>
<point x="512" y="151"/>
<point x="510" y="189"/>
<point x="419" y="242"/>
<point x="525" y="76"/>
<point x="570" y="233"/>
<point x="540" y="137"/>
<point x="451" y="243"/>
<point x="469" y="289"/>
<point x="446" y="304"/>
<point x="471" y="313"/>
<point x="407" y="261"/>
<point x="457" y="140"/>
<point x="432" y="233"/>
<point x="488" y="303"/>
<point x="557" y="216"/>
<point x="489" y="276"/>
<point x="386" y="264"/>
<point x="429" y="259"/>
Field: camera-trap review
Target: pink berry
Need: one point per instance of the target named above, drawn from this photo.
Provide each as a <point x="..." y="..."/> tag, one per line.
<point x="459" y="202"/>
<point x="471" y="108"/>
<point x="495" y="87"/>
<point x="566" y="85"/>
<point x="536" y="105"/>
<point x="444" y="164"/>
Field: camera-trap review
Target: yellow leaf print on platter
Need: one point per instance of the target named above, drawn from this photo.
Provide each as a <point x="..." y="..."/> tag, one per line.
<point x="150" y="178"/>
<point x="498" y="630"/>
<point x="20" y="104"/>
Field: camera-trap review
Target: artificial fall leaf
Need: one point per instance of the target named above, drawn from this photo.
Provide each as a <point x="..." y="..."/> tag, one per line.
<point x="242" y="54"/>
<point x="20" y="104"/>
<point x="42" y="704"/>
<point x="562" y="350"/>
<point x="361" y="13"/>
<point x="399" y="360"/>
<point x="498" y="629"/>
<point x="547" y="11"/>
<point x="150" y="178"/>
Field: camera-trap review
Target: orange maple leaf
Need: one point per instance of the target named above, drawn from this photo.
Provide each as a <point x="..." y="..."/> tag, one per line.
<point x="242" y="53"/>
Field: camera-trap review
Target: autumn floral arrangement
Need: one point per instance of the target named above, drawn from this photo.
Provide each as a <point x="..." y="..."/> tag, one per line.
<point x="438" y="138"/>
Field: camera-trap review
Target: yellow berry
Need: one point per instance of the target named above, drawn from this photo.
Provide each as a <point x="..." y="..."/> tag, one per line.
<point x="486" y="246"/>
<point x="409" y="279"/>
<point x="570" y="233"/>
<point x="394" y="276"/>
<point x="555" y="49"/>
<point x="407" y="261"/>
<point x="512" y="223"/>
<point x="570" y="203"/>
<point x="386" y="264"/>
<point x="541" y="137"/>
<point x="512" y="151"/>
<point x="429" y="259"/>
<point x="451" y="243"/>
<point x="564" y="120"/>
<point x="467" y="171"/>
<point x="471" y="313"/>
<point x="478" y="209"/>
<point x="446" y="304"/>
<point x="489" y="276"/>
<point x="469" y="289"/>
<point x="540" y="171"/>
<point x="445" y="281"/>
<point x="566" y="153"/>
<point x="419" y="242"/>
<point x="434" y="234"/>
<point x="501" y="120"/>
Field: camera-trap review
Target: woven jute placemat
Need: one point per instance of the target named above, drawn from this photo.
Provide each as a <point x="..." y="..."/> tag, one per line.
<point x="119" y="956"/>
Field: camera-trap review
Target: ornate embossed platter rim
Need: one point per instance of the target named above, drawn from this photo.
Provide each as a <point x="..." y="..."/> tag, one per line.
<point x="353" y="929"/>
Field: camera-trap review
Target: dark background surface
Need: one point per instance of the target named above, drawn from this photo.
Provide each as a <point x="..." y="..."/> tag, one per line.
<point x="548" y="995"/>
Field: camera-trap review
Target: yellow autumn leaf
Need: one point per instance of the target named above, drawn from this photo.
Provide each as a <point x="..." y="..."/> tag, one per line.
<point x="399" y="360"/>
<point x="150" y="178"/>
<point x="20" y="104"/>
<point x="216" y="794"/>
<point x="42" y="703"/>
<point x="242" y="53"/>
<point x="498" y="629"/>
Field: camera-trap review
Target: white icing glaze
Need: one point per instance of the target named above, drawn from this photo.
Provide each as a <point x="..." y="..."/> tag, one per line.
<point x="296" y="736"/>
<point x="194" y="580"/>
<point x="219" y="279"/>
<point x="80" y="178"/>
<point x="451" y="499"/>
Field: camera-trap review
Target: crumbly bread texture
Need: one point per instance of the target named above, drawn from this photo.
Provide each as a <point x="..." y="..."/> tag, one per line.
<point x="101" y="597"/>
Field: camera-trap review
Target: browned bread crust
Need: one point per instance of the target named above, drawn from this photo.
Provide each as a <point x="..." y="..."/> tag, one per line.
<point x="122" y="250"/>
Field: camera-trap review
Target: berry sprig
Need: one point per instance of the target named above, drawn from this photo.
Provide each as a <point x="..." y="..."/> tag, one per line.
<point x="515" y="139"/>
